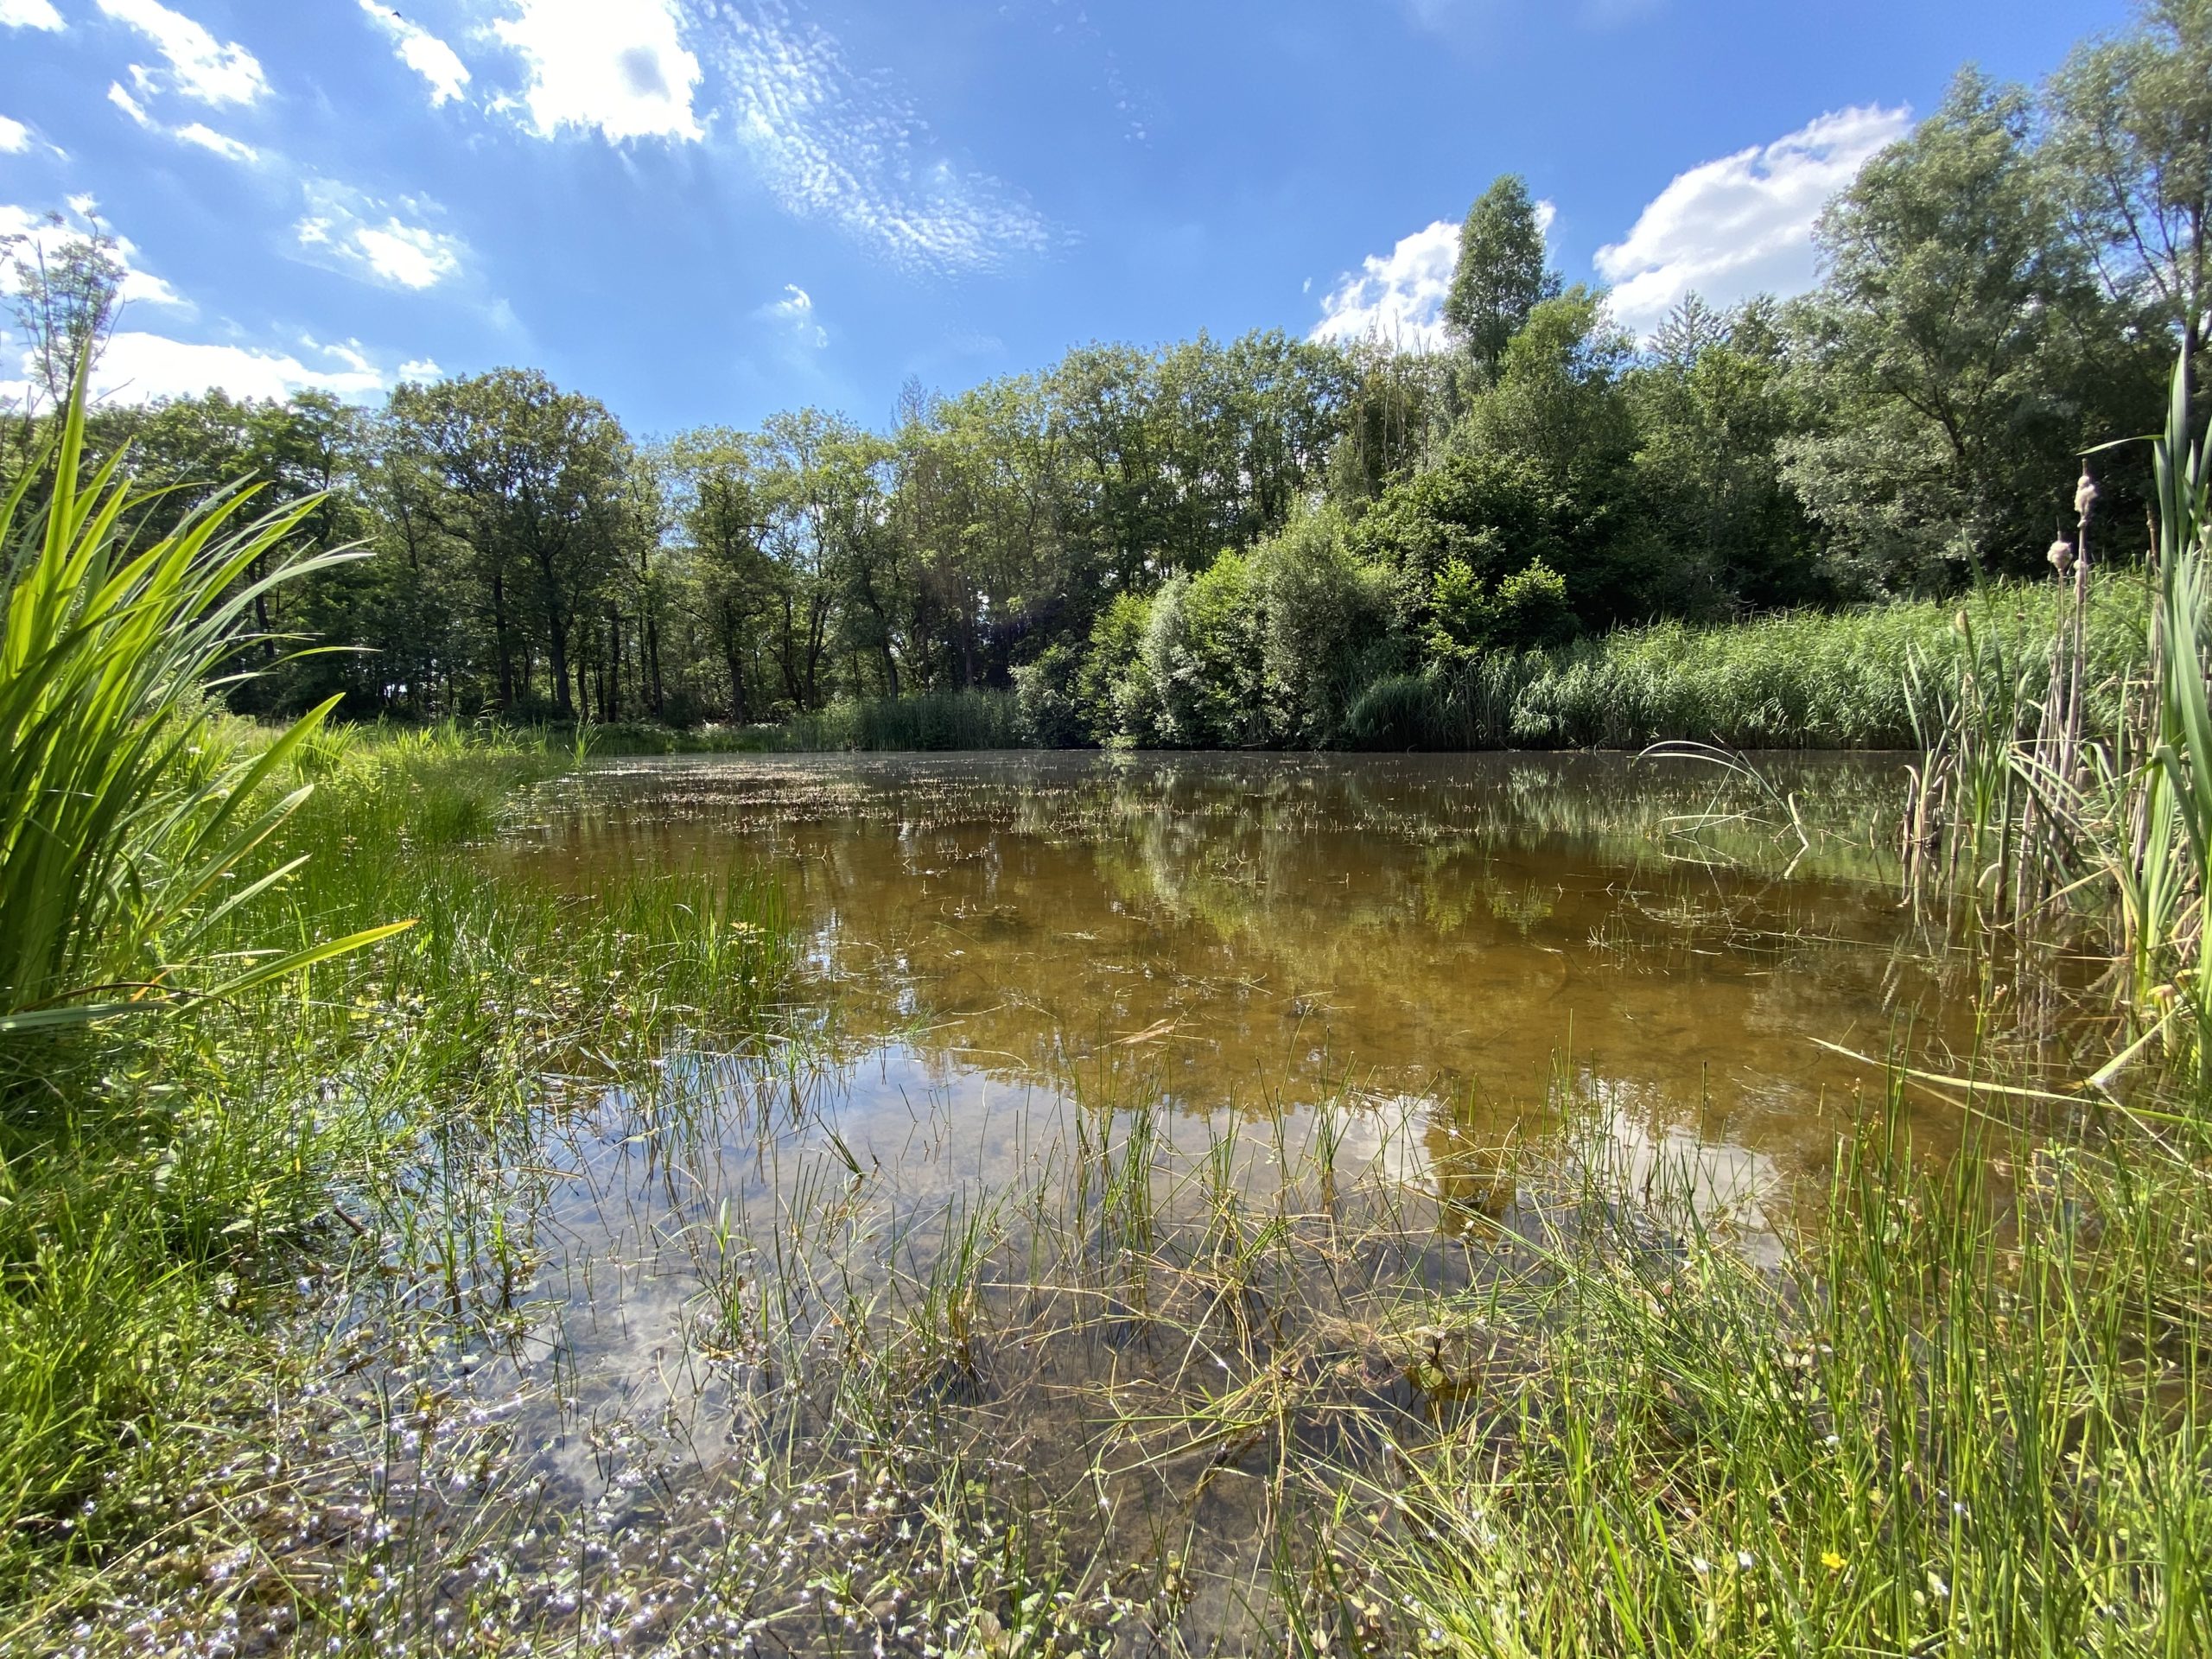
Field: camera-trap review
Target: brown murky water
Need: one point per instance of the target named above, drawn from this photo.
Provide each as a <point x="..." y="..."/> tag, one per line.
<point x="1280" y="929"/>
<point x="1030" y="976"/>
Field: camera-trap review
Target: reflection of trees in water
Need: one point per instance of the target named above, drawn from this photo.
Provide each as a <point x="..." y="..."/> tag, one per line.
<point x="1293" y="924"/>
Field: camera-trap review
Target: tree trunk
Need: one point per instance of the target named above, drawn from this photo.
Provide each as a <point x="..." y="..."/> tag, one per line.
<point x="655" y="692"/>
<point x="501" y="644"/>
<point x="557" y="653"/>
<point x="612" y="701"/>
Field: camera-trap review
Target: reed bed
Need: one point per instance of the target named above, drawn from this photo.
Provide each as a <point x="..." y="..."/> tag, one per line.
<point x="2063" y="808"/>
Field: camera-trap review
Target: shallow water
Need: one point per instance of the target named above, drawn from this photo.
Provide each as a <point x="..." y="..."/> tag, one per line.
<point x="1029" y="975"/>
<point x="1468" y="928"/>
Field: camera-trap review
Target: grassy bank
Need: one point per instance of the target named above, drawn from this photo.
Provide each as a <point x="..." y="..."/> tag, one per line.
<point x="1810" y="680"/>
<point x="1806" y="680"/>
<point x="177" y="1196"/>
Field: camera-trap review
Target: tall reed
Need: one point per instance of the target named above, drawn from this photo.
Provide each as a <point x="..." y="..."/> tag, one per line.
<point x="2044" y="830"/>
<point x="124" y="815"/>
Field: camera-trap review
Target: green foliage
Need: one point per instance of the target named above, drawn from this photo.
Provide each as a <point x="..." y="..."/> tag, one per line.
<point x="1489" y="514"/>
<point x="1947" y="359"/>
<point x="1203" y="657"/>
<point x="1048" y="693"/>
<point x="1326" y="618"/>
<point x="1501" y="276"/>
<point x="125" y="815"/>
<point x="2131" y="147"/>
<point x="1713" y="410"/>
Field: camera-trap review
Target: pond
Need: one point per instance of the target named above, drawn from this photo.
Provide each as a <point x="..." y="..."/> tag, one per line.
<point x="1464" y="928"/>
<point x="1117" y="1087"/>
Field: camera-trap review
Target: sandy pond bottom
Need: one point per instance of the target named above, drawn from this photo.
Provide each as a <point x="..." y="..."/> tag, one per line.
<point x="1153" y="1162"/>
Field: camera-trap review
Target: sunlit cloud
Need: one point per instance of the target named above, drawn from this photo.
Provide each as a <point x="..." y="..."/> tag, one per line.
<point x="622" y="70"/>
<point x="365" y="237"/>
<point x="199" y="66"/>
<point x="1742" y="225"/>
<point x="139" y="367"/>
<point x="230" y="149"/>
<point x="29" y="13"/>
<point x="438" y="64"/>
<point x="1397" y="297"/>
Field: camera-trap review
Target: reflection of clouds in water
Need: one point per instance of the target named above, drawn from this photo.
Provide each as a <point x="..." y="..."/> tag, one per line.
<point x="666" y="1200"/>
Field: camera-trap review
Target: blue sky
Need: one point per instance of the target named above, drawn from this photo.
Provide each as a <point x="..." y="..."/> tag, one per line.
<point x="705" y="210"/>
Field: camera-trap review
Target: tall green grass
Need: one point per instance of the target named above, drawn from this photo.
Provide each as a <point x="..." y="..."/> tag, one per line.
<point x="2066" y="799"/>
<point x="971" y="719"/>
<point x="1840" y="680"/>
<point x="1970" y="1416"/>
<point x="124" y="816"/>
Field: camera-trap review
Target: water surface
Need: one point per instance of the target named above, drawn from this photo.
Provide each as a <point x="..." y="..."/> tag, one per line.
<point x="1117" y="1089"/>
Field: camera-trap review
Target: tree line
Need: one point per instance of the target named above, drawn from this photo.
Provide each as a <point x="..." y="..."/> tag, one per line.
<point x="1224" y="543"/>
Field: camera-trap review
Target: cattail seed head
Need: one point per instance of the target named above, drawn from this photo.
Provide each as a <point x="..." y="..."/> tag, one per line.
<point x="2062" y="556"/>
<point x="2085" y="495"/>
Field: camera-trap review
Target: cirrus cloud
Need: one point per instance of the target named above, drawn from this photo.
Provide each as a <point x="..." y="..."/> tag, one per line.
<point x="834" y="145"/>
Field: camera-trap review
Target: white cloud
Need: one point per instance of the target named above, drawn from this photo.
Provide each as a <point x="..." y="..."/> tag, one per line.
<point x="362" y="236"/>
<point x="15" y="137"/>
<point x="201" y="66"/>
<point x="407" y="254"/>
<point x="620" y="68"/>
<point x="138" y="367"/>
<point x="230" y="149"/>
<point x="841" y="146"/>
<point x="120" y="95"/>
<point x="1398" y="297"/>
<point x="420" y="368"/>
<point x="29" y="13"/>
<point x="196" y="132"/>
<point x="423" y="51"/>
<point x="795" y="311"/>
<point x="1742" y="225"/>
<point x="43" y="234"/>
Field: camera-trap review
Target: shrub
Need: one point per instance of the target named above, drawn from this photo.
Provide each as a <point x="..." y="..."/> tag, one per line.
<point x="1048" y="699"/>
